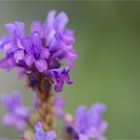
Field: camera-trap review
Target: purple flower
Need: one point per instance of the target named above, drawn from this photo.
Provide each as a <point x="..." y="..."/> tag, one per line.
<point x="17" y="114"/>
<point x="51" y="38"/>
<point x="12" y="45"/>
<point x="89" y="123"/>
<point x="12" y="42"/>
<point x="57" y="38"/>
<point x="64" y="40"/>
<point x="59" y="76"/>
<point x="35" y="53"/>
<point x="40" y="134"/>
<point x="43" y="50"/>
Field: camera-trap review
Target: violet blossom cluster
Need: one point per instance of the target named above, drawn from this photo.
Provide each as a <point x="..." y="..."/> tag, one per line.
<point x="45" y="58"/>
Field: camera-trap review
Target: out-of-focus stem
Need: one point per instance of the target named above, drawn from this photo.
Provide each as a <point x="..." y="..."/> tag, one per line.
<point x="44" y="98"/>
<point x="46" y="105"/>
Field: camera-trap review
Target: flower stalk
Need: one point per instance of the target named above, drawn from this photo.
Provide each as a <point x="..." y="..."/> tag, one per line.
<point x="44" y="99"/>
<point x="46" y="108"/>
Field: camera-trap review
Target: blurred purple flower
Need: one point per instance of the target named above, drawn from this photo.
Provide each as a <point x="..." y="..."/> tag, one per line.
<point x="40" y="134"/>
<point x="17" y="114"/>
<point x="89" y="123"/>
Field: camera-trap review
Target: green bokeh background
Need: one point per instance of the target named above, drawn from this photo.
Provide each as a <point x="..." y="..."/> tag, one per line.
<point x="108" y="68"/>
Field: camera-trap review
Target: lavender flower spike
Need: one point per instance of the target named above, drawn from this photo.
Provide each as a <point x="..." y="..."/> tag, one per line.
<point x="42" y="51"/>
<point x="45" y="57"/>
<point x="17" y="114"/>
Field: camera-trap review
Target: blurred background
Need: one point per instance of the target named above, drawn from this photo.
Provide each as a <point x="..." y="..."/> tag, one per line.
<point x="108" y="68"/>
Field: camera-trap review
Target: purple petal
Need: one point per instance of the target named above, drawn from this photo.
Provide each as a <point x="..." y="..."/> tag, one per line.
<point x="36" y="26"/>
<point x="12" y="101"/>
<point x="102" y="127"/>
<point x="36" y="40"/>
<point x="44" y="53"/>
<point x="50" y="19"/>
<point x="17" y="114"/>
<point x="27" y="44"/>
<point x="38" y="126"/>
<point x="40" y="134"/>
<point x="59" y="86"/>
<point x="97" y="131"/>
<point x="51" y="135"/>
<point x="65" y="52"/>
<point x="59" y="76"/>
<point x="4" y="40"/>
<point x="81" y="116"/>
<point x="68" y="37"/>
<point x="19" y="44"/>
<point x="22" y="112"/>
<point x="10" y="27"/>
<point x="61" y="21"/>
<point x="48" y="27"/>
<point x="12" y="121"/>
<point x="66" y="76"/>
<point x="29" y="59"/>
<point x="9" y="47"/>
<point x="19" y="55"/>
<point x="95" y="114"/>
<point x="98" y="107"/>
<point x="8" y="119"/>
<point x="7" y="63"/>
<point x="83" y="137"/>
<point x="70" y="55"/>
<point x="19" y="27"/>
<point x="92" y="132"/>
<point x="41" y="65"/>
